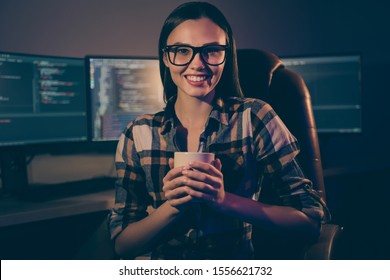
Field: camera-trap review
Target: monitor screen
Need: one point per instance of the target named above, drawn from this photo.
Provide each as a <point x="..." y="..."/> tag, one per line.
<point x="42" y="99"/>
<point x="334" y="83"/>
<point x="119" y="90"/>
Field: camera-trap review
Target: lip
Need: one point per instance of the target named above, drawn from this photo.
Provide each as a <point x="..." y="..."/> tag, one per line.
<point x="197" y="79"/>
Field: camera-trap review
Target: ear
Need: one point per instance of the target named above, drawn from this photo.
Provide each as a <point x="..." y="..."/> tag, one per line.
<point x="165" y="60"/>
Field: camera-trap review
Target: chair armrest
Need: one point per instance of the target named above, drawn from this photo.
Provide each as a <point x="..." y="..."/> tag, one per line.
<point x="326" y="245"/>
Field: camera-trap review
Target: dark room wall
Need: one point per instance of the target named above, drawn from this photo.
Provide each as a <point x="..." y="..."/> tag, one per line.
<point x="126" y="27"/>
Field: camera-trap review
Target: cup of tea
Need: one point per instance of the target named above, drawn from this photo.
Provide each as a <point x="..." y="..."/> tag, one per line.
<point x="184" y="158"/>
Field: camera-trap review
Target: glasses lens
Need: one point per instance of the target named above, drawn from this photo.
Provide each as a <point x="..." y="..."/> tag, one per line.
<point x="213" y="55"/>
<point x="180" y="55"/>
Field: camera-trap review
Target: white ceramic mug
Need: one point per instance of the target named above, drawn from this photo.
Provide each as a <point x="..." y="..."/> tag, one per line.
<point x="184" y="158"/>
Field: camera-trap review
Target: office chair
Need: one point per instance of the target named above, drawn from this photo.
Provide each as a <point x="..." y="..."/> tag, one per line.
<point x="263" y="75"/>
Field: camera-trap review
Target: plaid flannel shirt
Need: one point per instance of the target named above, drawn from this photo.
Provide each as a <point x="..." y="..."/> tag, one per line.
<point x="253" y="145"/>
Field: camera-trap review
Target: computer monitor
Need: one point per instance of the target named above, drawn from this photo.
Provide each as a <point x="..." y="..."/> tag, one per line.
<point x="334" y="82"/>
<point x="42" y="101"/>
<point x="120" y="89"/>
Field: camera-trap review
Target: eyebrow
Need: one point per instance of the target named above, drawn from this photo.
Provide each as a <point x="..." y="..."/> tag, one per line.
<point x="207" y="44"/>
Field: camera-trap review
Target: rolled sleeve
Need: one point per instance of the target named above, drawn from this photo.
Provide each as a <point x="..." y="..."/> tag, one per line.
<point x="296" y="191"/>
<point x="277" y="149"/>
<point x="131" y="197"/>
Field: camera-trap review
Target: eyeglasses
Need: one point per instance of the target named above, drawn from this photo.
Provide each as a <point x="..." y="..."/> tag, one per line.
<point x="181" y="55"/>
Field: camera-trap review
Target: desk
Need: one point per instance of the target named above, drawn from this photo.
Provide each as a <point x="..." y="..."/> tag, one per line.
<point x="52" y="229"/>
<point x="14" y="211"/>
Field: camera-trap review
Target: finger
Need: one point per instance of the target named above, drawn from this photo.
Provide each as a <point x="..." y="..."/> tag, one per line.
<point x="175" y="183"/>
<point x="201" y="177"/>
<point x="181" y="201"/>
<point x="217" y="164"/>
<point x="177" y="192"/>
<point x="172" y="174"/>
<point x="205" y="167"/>
<point x="201" y="186"/>
<point x="170" y="162"/>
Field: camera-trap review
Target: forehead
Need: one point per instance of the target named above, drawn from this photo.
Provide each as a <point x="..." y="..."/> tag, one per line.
<point x="197" y="33"/>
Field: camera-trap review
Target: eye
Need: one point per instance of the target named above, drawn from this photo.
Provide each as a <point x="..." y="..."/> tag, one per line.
<point x="213" y="50"/>
<point x="181" y="51"/>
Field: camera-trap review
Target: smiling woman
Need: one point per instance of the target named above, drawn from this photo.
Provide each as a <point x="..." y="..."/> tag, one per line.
<point x="193" y="70"/>
<point x="206" y="210"/>
<point x="202" y="26"/>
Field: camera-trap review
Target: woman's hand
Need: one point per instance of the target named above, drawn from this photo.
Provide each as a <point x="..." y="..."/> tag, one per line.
<point x="206" y="182"/>
<point x="198" y="182"/>
<point x="176" y="192"/>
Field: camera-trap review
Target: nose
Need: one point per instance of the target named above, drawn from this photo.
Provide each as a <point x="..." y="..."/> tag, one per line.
<point x="197" y="62"/>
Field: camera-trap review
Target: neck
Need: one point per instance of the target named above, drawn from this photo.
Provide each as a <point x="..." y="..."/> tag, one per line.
<point x="193" y="112"/>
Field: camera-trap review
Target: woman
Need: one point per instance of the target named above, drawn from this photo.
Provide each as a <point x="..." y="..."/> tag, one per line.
<point x="206" y="211"/>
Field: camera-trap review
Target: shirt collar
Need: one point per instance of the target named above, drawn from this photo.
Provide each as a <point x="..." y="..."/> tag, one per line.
<point x="169" y="115"/>
<point x="219" y="113"/>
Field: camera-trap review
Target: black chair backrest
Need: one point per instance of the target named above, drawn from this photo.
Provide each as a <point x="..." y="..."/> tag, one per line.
<point x="263" y="75"/>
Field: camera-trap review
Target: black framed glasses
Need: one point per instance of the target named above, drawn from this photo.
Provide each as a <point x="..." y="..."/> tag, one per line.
<point x="181" y="55"/>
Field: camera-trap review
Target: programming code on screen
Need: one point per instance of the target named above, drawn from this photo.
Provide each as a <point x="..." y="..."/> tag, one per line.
<point x="42" y="99"/>
<point x="334" y="83"/>
<point x="120" y="89"/>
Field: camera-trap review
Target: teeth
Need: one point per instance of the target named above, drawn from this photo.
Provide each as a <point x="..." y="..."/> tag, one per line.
<point x="196" y="78"/>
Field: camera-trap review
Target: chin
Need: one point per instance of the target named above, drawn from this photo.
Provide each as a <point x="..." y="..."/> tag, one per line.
<point x="198" y="94"/>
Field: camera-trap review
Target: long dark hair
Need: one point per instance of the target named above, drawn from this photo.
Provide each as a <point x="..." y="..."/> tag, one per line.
<point x="229" y="84"/>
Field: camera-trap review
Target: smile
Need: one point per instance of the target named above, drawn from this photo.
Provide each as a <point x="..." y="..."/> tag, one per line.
<point x="196" y="78"/>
